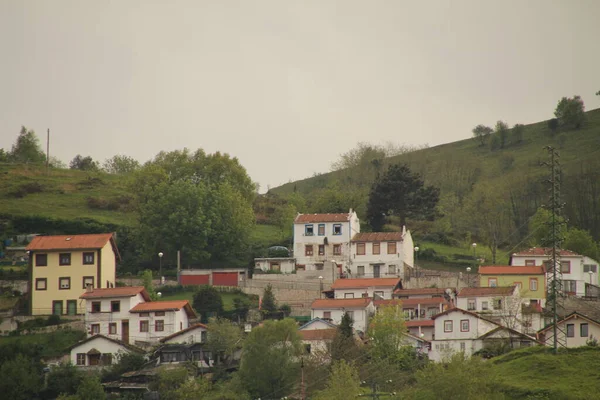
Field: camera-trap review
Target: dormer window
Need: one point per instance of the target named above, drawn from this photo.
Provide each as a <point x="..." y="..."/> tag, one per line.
<point x="309" y="230"/>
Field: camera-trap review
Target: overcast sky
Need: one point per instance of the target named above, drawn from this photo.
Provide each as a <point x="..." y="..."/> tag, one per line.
<point x="285" y="86"/>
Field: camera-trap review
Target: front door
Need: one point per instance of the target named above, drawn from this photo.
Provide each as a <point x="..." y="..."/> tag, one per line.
<point x="57" y="307"/>
<point x="125" y="331"/>
<point x="71" y="307"/>
<point x="376" y="271"/>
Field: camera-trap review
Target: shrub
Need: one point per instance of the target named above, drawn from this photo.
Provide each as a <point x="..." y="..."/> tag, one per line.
<point x="506" y="162"/>
<point x="553" y="124"/>
<point x="53" y="320"/>
<point x="27" y="188"/>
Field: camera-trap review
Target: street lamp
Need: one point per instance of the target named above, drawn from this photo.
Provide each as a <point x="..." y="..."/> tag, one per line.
<point x="160" y="255"/>
<point x="469" y="277"/>
<point x="321" y="286"/>
<point x="416" y="260"/>
<point x="333" y="267"/>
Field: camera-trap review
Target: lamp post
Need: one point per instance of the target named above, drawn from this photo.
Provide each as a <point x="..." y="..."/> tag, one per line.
<point x="468" y="276"/>
<point x="160" y="256"/>
<point x="333" y="267"/>
<point x="321" y="286"/>
<point x="416" y="260"/>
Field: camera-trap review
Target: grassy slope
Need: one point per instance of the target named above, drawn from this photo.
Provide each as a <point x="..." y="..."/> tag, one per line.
<point x="52" y="344"/>
<point x="189" y="295"/>
<point x="64" y="194"/>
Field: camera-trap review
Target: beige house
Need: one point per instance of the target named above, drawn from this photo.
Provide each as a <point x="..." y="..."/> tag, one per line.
<point x="62" y="267"/>
<point x="575" y="330"/>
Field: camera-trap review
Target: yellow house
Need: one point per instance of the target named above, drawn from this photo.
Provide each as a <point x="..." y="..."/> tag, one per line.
<point x="62" y="267"/>
<point x="531" y="280"/>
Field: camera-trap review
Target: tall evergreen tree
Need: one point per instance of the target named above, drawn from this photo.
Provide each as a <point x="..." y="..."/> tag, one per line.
<point x="269" y="304"/>
<point x="27" y="148"/>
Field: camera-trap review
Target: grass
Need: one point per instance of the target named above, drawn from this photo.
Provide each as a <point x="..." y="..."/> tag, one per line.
<point x="53" y="344"/>
<point x="227" y="298"/>
<point x="266" y="235"/>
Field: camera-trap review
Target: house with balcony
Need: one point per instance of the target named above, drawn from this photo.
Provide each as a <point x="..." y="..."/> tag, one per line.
<point x="577" y="271"/>
<point x="61" y="267"/>
<point x="529" y="280"/>
<point x="377" y="288"/>
<point x="359" y="309"/>
<point x="186" y="345"/>
<point x="381" y="254"/>
<point x="502" y="305"/>
<point x="99" y="351"/>
<point x="575" y="330"/>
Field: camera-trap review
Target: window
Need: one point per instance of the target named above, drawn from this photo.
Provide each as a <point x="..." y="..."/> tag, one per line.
<point x="497" y="304"/>
<point x="95" y="329"/>
<point x="484" y="305"/>
<point x="112" y="328"/>
<point x="471" y="304"/>
<point x="391" y="269"/>
<point x="569" y="286"/>
<point x="519" y="285"/>
<point x="319" y="266"/>
<point x="583" y="330"/>
<point x="41" y="284"/>
<point x="88" y="281"/>
<point x="144" y="314"/>
<point x="570" y="330"/>
<point x="337" y="229"/>
<point x="80" y="358"/>
<point x="96" y="306"/>
<point x="462" y="346"/>
<point x="360" y="270"/>
<point x="327" y="314"/>
<point x="391" y="247"/>
<point x="88" y="258"/>
<point x="590" y="267"/>
<point x="431" y="311"/>
<point x="321" y="249"/>
<point x="41" y="260"/>
<point x="115" y="306"/>
<point x="533" y="284"/>
<point x="159" y="325"/>
<point x="321" y="230"/>
<point x="492" y="282"/>
<point x="565" y="267"/>
<point x="360" y="249"/>
<point x="464" y="325"/>
<point x="379" y="293"/>
<point x="376" y="248"/>
<point x="337" y="249"/>
<point x="348" y="295"/>
<point x="106" y="359"/>
<point x="64" y="283"/>
<point x="169" y="357"/>
<point x="64" y="259"/>
<point x="144" y="326"/>
<point x="308" y="250"/>
<point x="307" y="348"/>
<point x="196" y="355"/>
<point x="159" y="314"/>
<point x="350" y="314"/>
<point x="530" y="263"/>
<point x="448" y="326"/>
<point x="308" y="230"/>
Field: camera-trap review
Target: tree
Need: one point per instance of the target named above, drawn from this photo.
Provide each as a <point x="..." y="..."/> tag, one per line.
<point x="501" y="131"/>
<point x="269" y="366"/>
<point x="27" y="148"/>
<point x="481" y="133"/>
<point x="268" y="302"/>
<point x="193" y="389"/>
<point x="126" y="362"/>
<point x="168" y="381"/>
<point x="283" y="218"/>
<point x="343" y="344"/>
<point x="57" y="163"/>
<point x="517" y="133"/>
<point x="343" y="382"/>
<point x="4" y="156"/>
<point x="540" y="228"/>
<point x="387" y="333"/>
<point x="121" y="164"/>
<point x="148" y="285"/>
<point x="208" y="302"/>
<point x="401" y="192"/>
<point x="580" y="241"/>
<point x="224" y="340"/>
<point x="20" y="378"/>
<point x="90" y="389"/>
<point x="64" y="379"/>
<point x="570" y="112"/>
<point x="83" y="163"/>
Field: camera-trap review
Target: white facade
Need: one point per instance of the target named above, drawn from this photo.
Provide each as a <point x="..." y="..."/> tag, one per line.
<point x="334" y="309"/>
<point x="494" y="304"/>
<point x="97" y="351"/>
<point x="160" y="324"/>
<point x="317" y="324"/>
<point x="364" y="290"/>
<point x="279" y="264"/>
<point x="422" y="327"/>
<point x="320" y="239"/>
<point x="194" y="334"/>
<point x="575" y="268"/>
<point x="572" y="332"/>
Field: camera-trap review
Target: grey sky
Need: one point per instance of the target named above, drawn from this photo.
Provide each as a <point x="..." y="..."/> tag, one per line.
<point x="286" y="86"/>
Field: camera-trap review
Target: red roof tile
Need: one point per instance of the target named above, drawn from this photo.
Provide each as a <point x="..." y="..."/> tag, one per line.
<point x="347" y="283"/>
<point x="428" y="301"/>
<point x="167" y="305"/>
<point x="487" y="291"/>
<point x="421" y="322"/>
<point x="378" y="237"/>
<point x="308" y="218"/>
<point x="126" y="291"/>
<point x="72" y="242"/>
<point x="340" y="303"/>
<point x="419" y="291"/>
<point x="543" y="251"/>
<point x="512" y="270"/>
<point x="317" y="334"/>
<point x="181" y="332"/>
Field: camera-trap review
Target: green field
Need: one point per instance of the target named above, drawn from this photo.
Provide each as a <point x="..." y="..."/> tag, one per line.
<point x="53" y="344"/>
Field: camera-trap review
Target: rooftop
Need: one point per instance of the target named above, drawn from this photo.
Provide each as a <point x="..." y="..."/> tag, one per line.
<point x="346" y="283"/>
<point x="486" y="291"/>
<point x="420" y="322"/>
<point x="543" y="251"/>
<point x="125" y="291"/>
<point x="378" y="237"/>
<point x="512" y="270"/>
<point x="317" y="334"/>
<point x="308" y="218"/>
<point x="419" y="291"/>
<point x="181" y="332"/>
<point x="72" y="242"/>
<point x="340" y="303"/>
<point x="427" y="301"/>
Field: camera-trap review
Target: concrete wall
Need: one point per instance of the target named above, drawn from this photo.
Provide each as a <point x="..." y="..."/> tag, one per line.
<point x="442" y="279"/>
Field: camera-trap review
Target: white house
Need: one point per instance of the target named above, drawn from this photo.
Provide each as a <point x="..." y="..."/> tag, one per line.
<point x="458" y="330"/>
<point x="381" y="254"/>
<point x="316" y="341"/>
<point x="155" y="320"/>
<point x="359" y="309"/>
<point x="502" y="305"/>
<point x="382" y="288"/>
<point x="98" y="351"/>
<point x="420" y="293"/>
<point x="419" y="308"/>
<point x="574" y="330"/>
<point x="285" y="265"/>
<point x="321" y="239"/>
<point x="316" y="324"/>
<point x="197" y="333"/>
<point x="577" y="270"/>
<point x="424" y="328"/>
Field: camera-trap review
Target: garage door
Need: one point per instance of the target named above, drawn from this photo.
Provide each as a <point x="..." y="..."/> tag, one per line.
<point x="225" y="278"/>
<point x="194" y="279"/>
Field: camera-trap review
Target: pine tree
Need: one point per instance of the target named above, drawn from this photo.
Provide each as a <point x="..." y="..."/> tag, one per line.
<point x="269" y="304"/>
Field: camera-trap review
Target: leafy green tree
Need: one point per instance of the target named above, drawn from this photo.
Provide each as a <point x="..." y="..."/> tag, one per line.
<point x="64" y="379"/>
<point x="343" y="344"/>
<point x="403" y="193"/>
<point x="57" y="163"/>
<point x="193" y="389"/>
<point x="90" y="389"/>
<point x="343" y="383"/>
<point x="168" y="381"/>
<point x="224" y="340"/>
<point x="570" y="112"/>
<point x="27" y="148"/>
<point x="121" y="164"/>
<point x="148" y="285"/>
<point x="482" y="133"/>
<point x="270" y="359"/>
<point x="283" y="218"/>
<point x="4" y="156"/>
<point x="580" y="241"/>
<point x="540" y="228"/>
<point x="126" y="362"/>
<point x="241" y="306"/>
<point x="208" y="302"/>
<point x="495" y="142"/>
<point x="502" y="130"/>
<point x="517" y="133"/>
<point x="269" y="304"/>
<point x="387" y="333"/>
<point x="83" y="163"/>
<point x="20" y="378"/>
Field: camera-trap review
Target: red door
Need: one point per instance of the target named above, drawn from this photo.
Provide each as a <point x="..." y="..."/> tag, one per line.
<point x="194" y="279"/>
<point x="225" y="278"/>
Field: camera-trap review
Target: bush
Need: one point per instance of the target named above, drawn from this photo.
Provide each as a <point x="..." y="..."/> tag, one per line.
<point x="506" y="162"/>
<point x="53" y="320"/>
<point x="553" y="124"/>
<point x="27" y="188"/>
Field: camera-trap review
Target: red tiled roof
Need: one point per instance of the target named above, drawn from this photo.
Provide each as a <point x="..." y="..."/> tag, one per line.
<point x="420" y="291"/>
<point x="341" y="303"/>
<point x="72" y="242"/>
<point x="421" y="322"/>
<point x="378" y="237"/>
<point x="317" y="334"/>
<point x="512" y="270"/>
<point x="411" y="302"/>
<point x="181" y="332"/>
<point x="487" y="291"/>
<point x="166" y="305"/>
<point x="126" y="291"/>
<point x="364" y="283"/>
<point x="543" y="251"/>
<point x="308" y="218"/>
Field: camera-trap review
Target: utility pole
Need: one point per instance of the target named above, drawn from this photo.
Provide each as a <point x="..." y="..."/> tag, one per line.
<point x="48" y="153"/>
<point x="302" y="387"/>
